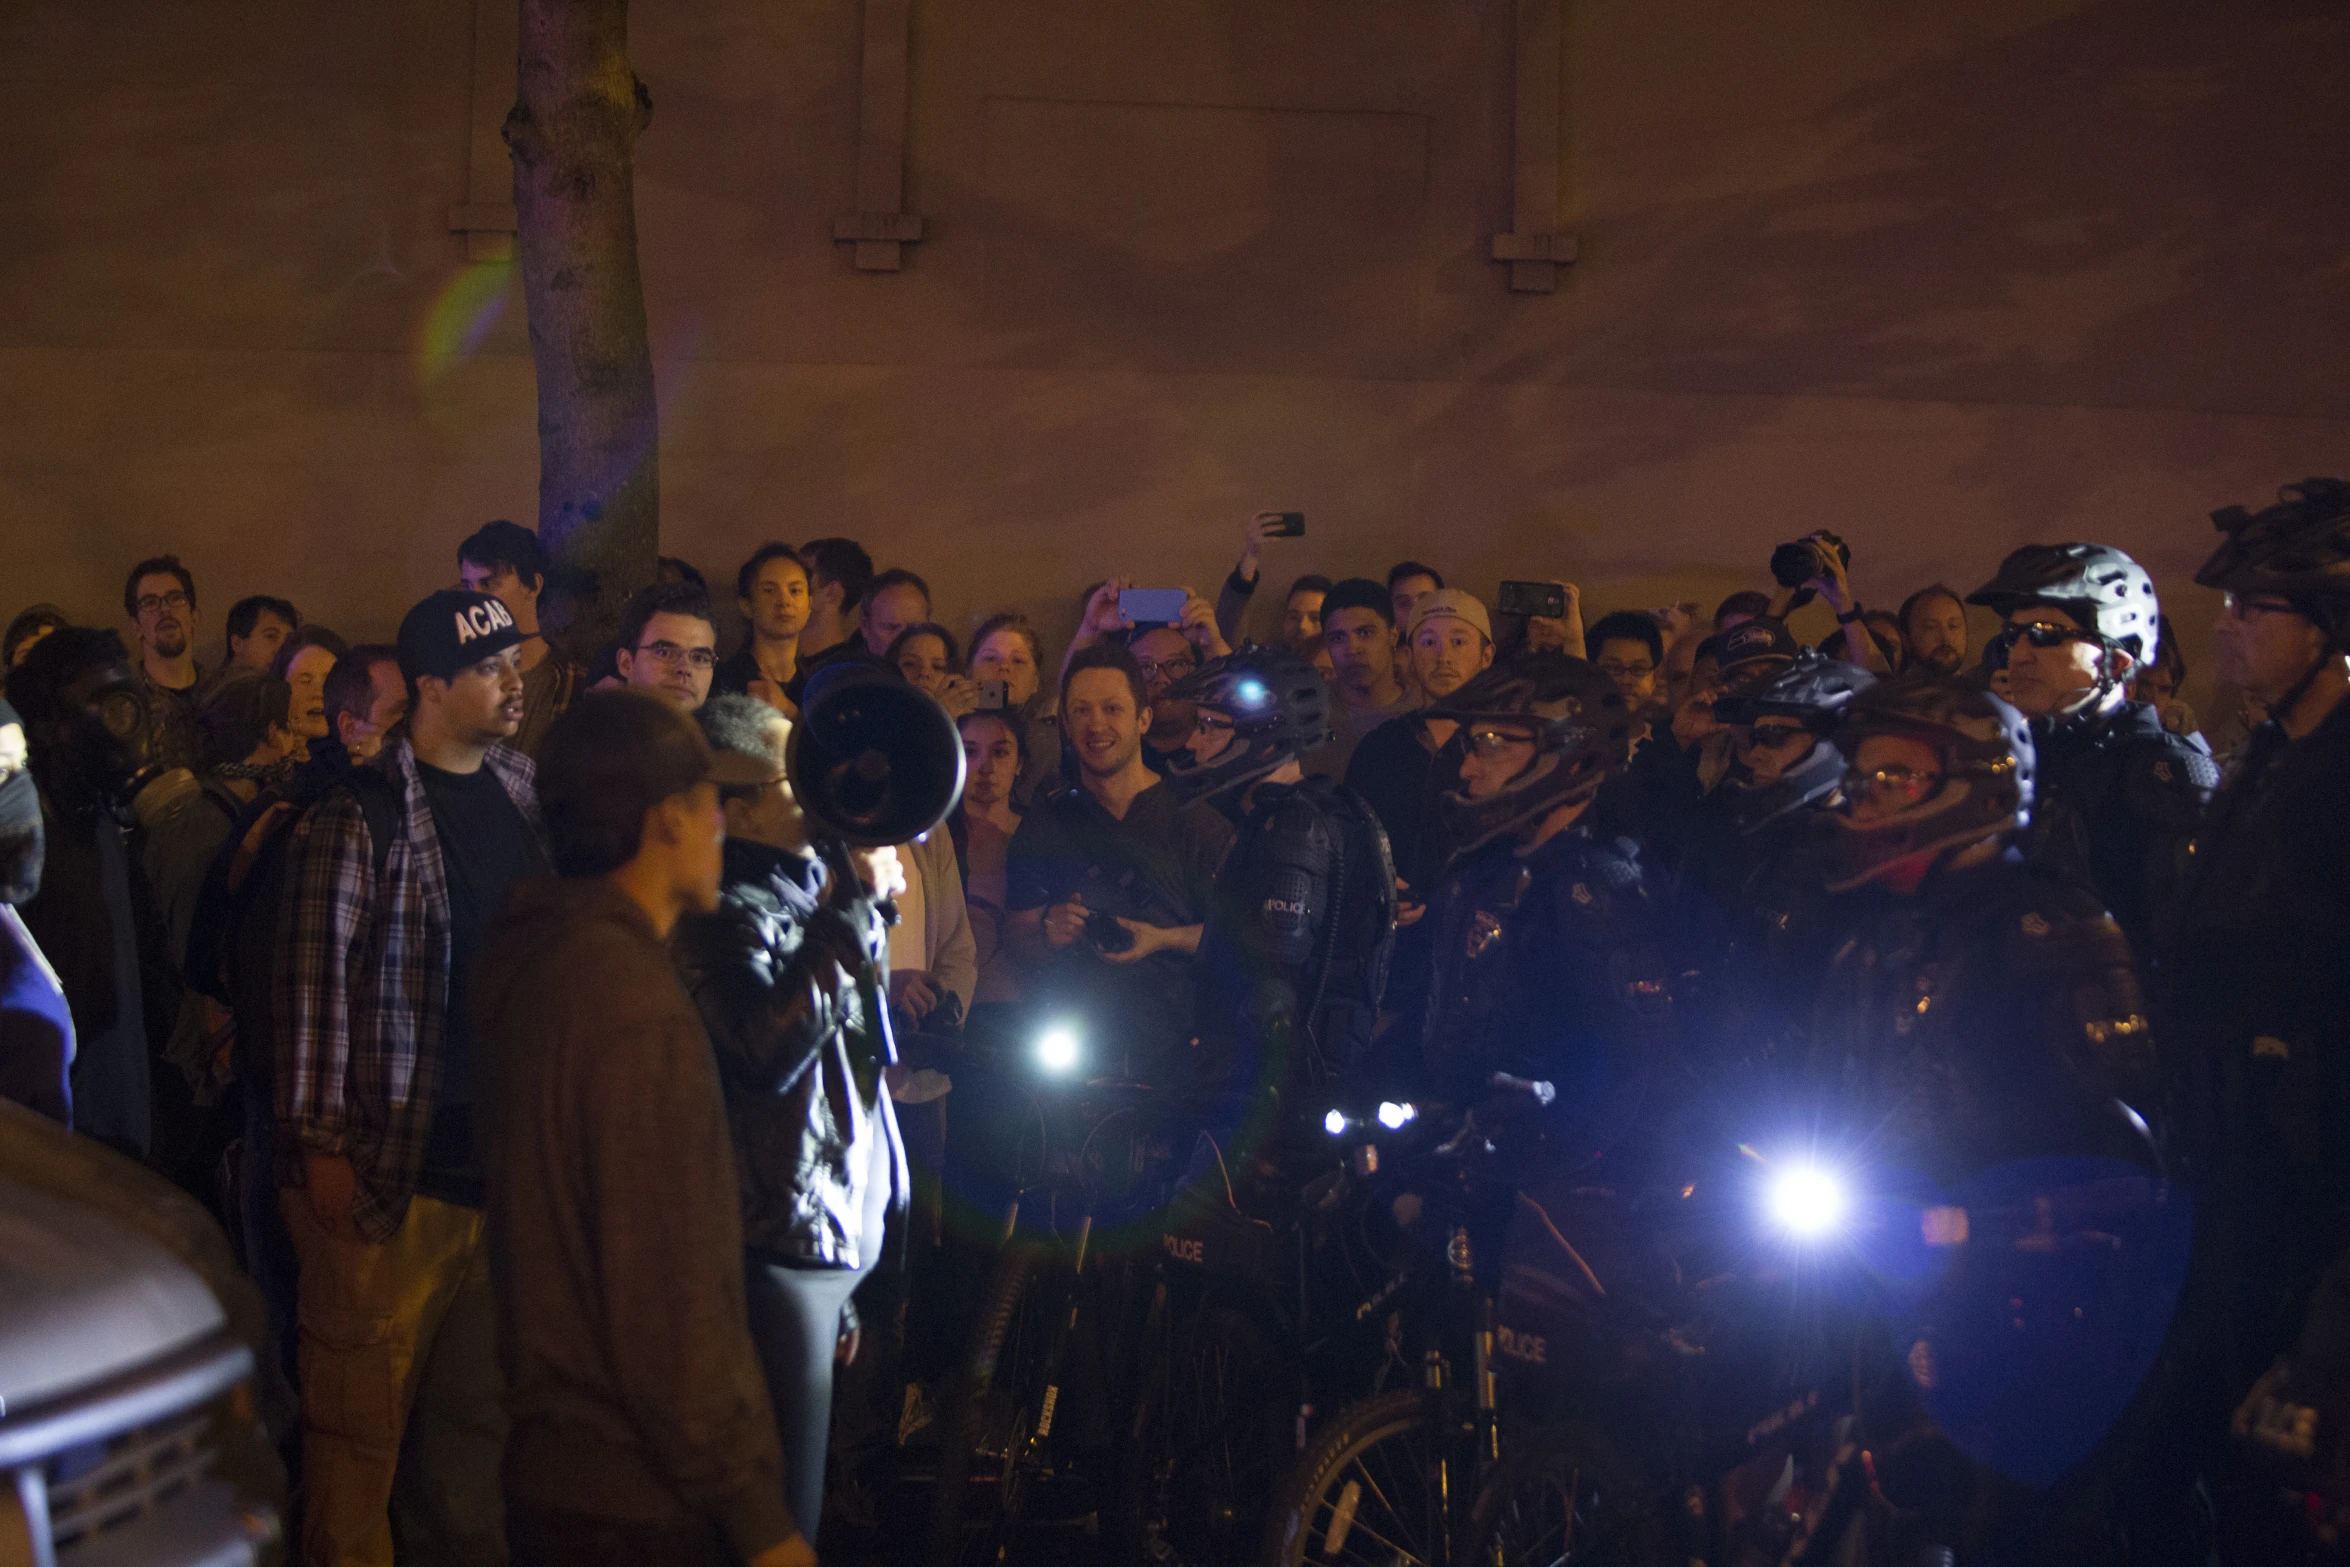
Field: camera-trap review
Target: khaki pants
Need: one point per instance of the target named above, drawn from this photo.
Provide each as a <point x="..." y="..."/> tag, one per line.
<point x="403" y="1421"/>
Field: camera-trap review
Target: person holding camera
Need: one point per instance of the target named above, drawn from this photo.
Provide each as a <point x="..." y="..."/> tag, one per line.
<point x="1109" y="879"/>
<point x="1815" y="566"/>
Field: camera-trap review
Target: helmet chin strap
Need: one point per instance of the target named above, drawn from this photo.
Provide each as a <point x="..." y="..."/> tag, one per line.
<point x="2285" y="704"/>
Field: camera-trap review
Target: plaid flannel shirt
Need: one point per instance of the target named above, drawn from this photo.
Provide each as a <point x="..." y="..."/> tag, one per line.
<point x="363" y="985"/>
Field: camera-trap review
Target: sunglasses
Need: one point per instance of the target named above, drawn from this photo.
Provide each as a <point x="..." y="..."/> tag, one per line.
<point x="2039" y="635"/>
<point x="1492" y="742"/>
<point x="1772" y="736"/>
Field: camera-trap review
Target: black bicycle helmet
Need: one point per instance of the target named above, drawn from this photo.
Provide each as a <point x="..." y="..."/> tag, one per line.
<point x="1582" y="733"/>
<point x="2298" y="549"/>
<point x="2107" y="592"/>
<point x="1814" y="690"/>
<point x="1279" y="706"/>
<point x="1985" y="747"/>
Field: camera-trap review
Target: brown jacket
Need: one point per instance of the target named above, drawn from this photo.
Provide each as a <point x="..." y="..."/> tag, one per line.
<point x="615" y="1239"/>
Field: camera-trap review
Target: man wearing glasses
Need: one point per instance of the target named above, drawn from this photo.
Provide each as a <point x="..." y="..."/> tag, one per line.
<point x="2119" y="796"/>
<point x="669" y="644"/>
<point x="2255" y="978"/>
<point x="160" y="597"/>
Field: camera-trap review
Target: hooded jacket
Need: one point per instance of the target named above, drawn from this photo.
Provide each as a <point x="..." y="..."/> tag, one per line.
<point x="614" y="1238"/>
<point x="774" y="975"/>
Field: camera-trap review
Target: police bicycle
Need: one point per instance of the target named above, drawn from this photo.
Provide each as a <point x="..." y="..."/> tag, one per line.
<point x="1789" y="1357"/>
<point x="1386" y="1478"/>
<point x="1027" y="1441"/>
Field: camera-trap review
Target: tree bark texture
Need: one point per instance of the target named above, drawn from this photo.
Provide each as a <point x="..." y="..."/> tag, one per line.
<point x="573" y="134"/>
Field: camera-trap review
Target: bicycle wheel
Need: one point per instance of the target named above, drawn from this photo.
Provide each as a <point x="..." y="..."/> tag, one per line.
<point x="992" y="1406"/>
<point x="1567" y="1498"/>
<point x="1367" y="1490"/>
<point x="1211" y="1427"/>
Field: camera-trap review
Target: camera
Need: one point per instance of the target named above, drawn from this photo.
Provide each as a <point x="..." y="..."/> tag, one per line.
<point x="1542" y="600"/>
<point x="1793" y="565"/>
<point x="1106" y="934"/>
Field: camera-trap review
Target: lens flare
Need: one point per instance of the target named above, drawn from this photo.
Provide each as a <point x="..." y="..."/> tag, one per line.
<point x="1395" y="1117"/>
<point x="464" y="315"/>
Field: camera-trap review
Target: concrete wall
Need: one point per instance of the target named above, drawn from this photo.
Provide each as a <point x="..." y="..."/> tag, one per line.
<point x="1944" y="277"/>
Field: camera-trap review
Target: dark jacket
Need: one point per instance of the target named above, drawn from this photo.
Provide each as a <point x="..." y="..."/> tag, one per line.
<point x="773" y="973"/>
<point x="615" y="1242"/>
<point x="1995" y="1016"/>
<point x="2115" y="803"/>
<point x="1551" y="964"/>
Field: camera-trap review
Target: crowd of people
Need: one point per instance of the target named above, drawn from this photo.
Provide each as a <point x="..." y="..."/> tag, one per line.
<point x="563" y="1087"/>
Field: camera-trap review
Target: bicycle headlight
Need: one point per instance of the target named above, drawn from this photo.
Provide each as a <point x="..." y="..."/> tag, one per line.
<point x="1807" y="1201"/>
<point x="1395" y="1117"/>
<point x="1335" y="1123"/>
<point x="1057" y="1049"/>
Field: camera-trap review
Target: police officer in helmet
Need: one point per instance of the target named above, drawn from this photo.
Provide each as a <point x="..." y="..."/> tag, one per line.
<point x="2259" y="991"/>
<point x="1980" y="1032"/>
<point x="1549" y="944"/>
<point x="1988" y="1009"/>
<point x="1749" y="901"/>
<point x="2118" y="795"/>
<point x="1294" y="960"/>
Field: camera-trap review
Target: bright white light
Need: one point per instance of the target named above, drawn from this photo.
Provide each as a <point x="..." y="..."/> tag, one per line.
<point x="1808" y="1201"/>
<point x="1335" y="1123"/>
<point x="1252" y="692"/>
<point x="1056" y="1049"/>
<point x="1394" y="1116"/>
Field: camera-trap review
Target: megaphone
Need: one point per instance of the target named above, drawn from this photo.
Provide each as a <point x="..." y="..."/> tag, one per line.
<point x="872" y="761"/>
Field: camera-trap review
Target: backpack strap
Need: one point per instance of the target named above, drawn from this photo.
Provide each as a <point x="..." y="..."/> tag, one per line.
<point x="380" y="805"/>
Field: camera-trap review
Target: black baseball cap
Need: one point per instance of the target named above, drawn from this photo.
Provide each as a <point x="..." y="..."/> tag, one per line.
<point x="613" y="756"/>
<point x="1747" y="646"/>
<point x="453" y="630"/>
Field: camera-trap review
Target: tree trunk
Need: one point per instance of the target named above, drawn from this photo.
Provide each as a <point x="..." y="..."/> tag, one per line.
<point x="573" y="134"/>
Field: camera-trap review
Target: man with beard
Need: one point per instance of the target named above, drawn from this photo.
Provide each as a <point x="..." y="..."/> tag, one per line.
<point x="2119" y="796"/>
<point x="159" y="595"/>
<point x="1108" y="881"/>
<point x="382" y="1177"/>
<point x="1933" y="627"/>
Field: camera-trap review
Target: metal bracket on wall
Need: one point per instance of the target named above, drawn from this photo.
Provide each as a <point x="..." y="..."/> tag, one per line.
<point x="486" y="217"/>
<point x="879" y="228"/>
<point x="1535" y="248"/>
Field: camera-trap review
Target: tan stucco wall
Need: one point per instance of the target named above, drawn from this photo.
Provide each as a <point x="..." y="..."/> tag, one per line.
<point x="1945" y="277"/>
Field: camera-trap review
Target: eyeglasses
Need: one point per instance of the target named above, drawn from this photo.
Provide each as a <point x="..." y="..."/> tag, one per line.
<point x="1892" y="786"/>
<point x="2246" y="608"/>
<point x="152" y="602"/>
<point x="2040" y="634"/>
<point x="1488" y="741"/>
<point x="1170" y="668"/>
<point x="1617" y="671"/>
<point x="1209" y="723"/>
<point x="1772" y="736"/>
<point x="670" y="653"/>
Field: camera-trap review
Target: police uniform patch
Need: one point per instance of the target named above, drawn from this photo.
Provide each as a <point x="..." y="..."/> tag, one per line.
<point x="1581" y="894"/>
<point x="2035" y="924"/>
<point x="2162" y="771"/>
